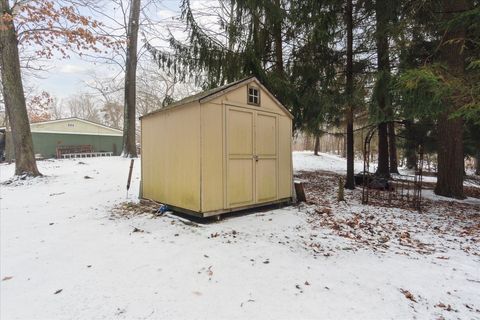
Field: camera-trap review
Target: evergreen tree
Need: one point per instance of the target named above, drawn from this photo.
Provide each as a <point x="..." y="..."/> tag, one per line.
<point x="382" y="94"/>
<point x="444" y="84"/>
<point x="350" y="181"/>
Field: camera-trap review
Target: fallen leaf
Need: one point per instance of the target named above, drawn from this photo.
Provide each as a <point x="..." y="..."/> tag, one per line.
<point x="408" y="295"/>
<point x="58" y="291"/>
<point x="7" y="278"/>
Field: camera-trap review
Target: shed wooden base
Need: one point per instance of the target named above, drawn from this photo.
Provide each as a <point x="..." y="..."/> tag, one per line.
<point x="223" y="211"/>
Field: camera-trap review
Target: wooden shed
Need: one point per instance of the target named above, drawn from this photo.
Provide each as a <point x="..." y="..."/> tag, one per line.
<point x="221" y="150"/>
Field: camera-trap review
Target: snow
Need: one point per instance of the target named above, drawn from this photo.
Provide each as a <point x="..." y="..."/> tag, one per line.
<point x="307" y="161"/>
<point x="59" y="232"/>
<point x="428" y="194"/>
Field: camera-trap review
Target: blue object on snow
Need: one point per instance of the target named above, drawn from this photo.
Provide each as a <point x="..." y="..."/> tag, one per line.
<point x="163" y="208"/>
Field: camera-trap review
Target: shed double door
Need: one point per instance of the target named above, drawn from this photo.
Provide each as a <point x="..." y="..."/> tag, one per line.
<point x="251" y="156"/>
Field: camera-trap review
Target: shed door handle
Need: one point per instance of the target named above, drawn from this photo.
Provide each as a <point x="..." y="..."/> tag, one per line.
<point x="255" y="157"/>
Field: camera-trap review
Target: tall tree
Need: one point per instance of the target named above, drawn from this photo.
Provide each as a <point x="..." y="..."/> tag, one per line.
<point x="129" y="118"/>
<point x="316" y="146"/>
<point x="477" y="164"/>
<point x="440" y="86"/>
<point x="350" y="181"/>
<point x="47" y="27"/>
<point x="382" y="14"/>
<point x="13" y="94"/>
<point x="392" y="147"/>
<point x="450" y="130"/>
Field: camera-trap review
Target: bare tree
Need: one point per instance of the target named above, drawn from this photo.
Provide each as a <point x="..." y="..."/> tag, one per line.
<point x="83" y="106"/>
<point x="57" y="110"/>
<point x="14" y="96"/>
<point x="126" y="21"/>
<point x="129" y="116"/>
<point x="113" y="114"/>
<point x="109" y="90"/>
<point x="49" y="27"/>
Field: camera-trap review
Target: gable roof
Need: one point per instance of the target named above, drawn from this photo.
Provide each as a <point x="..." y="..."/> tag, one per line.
<point x="211" y="94"/>
<point x="113" y="131"/>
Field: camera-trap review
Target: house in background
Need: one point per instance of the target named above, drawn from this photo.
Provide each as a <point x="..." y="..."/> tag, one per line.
<point x="51" y="137"/>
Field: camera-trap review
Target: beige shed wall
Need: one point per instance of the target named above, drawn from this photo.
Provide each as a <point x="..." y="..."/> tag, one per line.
<point x="212" y="157"/>
<point x="171" y="164"/>
<point x="73" y="126"/>
<point x="285" y="157"/>
<point x="213" y="146"/>
<point x="187" y="166"/>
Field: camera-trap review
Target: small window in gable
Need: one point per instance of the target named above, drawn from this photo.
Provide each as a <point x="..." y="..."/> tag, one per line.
<point x="253" y="95"/>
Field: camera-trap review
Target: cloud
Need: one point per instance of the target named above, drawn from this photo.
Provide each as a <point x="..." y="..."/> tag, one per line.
<point x="69" y="68"/>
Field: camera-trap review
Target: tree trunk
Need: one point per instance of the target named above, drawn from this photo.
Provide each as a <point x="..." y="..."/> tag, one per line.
<point x="278" y="39"/>
<point x="450" y="130"/>
<point x="410" y="152"/>
<point x="350" y="181"/>
<point x="383" y="79"/>
<point x="477" y="164"/>
<point x="392" y="146"/>
<point x="129" y="122"/>
<point x="450" y="158"/>
<point x="14" y="97"/>
<point x="383" y="161"/>
<point x="317" y="144"/>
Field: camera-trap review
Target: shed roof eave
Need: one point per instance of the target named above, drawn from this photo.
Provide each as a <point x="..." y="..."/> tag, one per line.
<point x="209" y="95"/>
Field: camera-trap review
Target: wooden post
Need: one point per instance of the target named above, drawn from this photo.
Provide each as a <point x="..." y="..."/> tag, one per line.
<point x="130" y="174"/>
<point x="300" y="192"/>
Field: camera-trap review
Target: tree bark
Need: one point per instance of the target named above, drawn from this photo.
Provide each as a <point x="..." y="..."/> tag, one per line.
<point x="450" y="130"/>
<point x="450" y="158"/>
<point x="392" y="146"/>
<point x="278" y="39"/>
<point x="14" y="96"/>
<point x="350" y="180"/>
<point x="477" y="164"/>
<point x="129" y="122"/>
<point x="410" y="152"/>
<point x="383" y="78"/>
<point x="317" y="144"/>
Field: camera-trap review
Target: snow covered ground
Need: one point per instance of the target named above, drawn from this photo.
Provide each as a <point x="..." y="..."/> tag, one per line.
<point x="307" y="161"/>
<point x="65" y="255"/>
